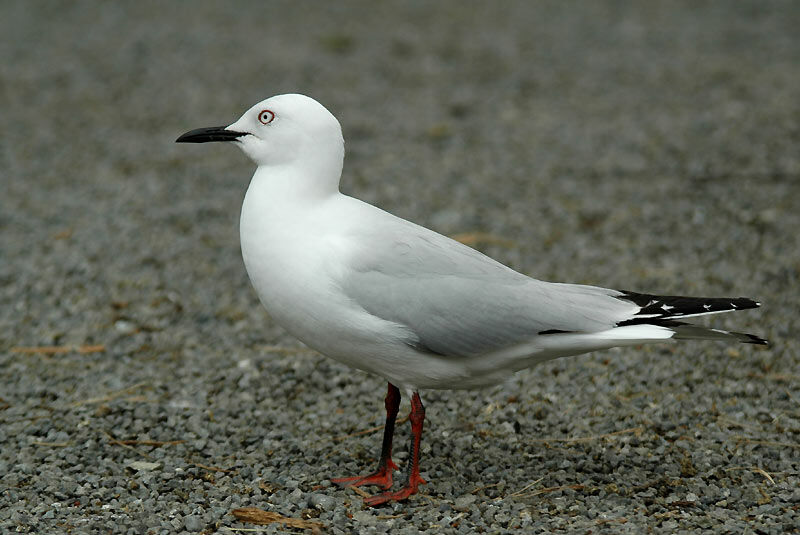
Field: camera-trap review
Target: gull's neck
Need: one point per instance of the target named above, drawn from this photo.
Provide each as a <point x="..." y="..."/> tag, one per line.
<point x="312" y="178"/>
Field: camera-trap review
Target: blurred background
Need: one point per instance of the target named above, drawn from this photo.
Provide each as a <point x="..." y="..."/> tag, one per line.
<point x="646" y="146"/>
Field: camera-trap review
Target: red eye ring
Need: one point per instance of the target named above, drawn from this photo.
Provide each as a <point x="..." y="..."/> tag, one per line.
<point x="266" y="116"/>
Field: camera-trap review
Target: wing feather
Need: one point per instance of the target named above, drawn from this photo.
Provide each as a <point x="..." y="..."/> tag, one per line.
<point x="455" y="301"/>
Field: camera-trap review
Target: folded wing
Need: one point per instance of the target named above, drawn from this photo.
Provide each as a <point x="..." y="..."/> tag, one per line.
<point x="455" y="301"/>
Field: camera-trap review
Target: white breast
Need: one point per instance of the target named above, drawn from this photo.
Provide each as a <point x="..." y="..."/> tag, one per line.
<point x="288" y="252"/>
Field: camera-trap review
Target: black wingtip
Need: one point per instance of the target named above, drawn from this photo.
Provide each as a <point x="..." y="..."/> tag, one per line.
<point x="743" y="303"/>
<point x="655" y="308"/>
<point x="753" y="339"/>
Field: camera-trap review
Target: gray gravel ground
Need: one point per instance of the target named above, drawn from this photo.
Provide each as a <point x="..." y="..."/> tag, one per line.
<point x="651" y="146"/>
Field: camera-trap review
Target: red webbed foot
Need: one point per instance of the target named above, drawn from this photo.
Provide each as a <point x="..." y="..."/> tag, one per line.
<point x="397" y="496"/>
<point x="381" y="477"/>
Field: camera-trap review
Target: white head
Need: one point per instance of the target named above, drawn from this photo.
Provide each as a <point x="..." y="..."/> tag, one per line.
<point x="292" y="129"/>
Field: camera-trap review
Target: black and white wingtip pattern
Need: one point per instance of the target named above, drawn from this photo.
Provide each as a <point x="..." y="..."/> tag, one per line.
<point x="657" y="308"/>
<point x="668" y="310"/>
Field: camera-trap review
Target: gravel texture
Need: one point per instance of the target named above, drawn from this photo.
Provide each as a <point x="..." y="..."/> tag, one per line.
<point x="646" y="146"/>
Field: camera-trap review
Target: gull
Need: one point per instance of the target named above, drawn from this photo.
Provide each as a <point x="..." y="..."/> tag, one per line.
<point x="389" y="297"/>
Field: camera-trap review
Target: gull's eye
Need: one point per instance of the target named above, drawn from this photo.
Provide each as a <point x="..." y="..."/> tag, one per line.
<point x="266" y="116"/>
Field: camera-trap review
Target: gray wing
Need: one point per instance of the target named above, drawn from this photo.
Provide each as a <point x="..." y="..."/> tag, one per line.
<point x="459" y="302"/>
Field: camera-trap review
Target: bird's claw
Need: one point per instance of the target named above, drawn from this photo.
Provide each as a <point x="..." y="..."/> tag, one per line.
<point x="411" y="487"/>
<point x="386" y="497"/>
<point x="381" y="477"/>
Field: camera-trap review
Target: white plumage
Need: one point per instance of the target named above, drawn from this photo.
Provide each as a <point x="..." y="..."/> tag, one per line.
<point x="390" y="297"/>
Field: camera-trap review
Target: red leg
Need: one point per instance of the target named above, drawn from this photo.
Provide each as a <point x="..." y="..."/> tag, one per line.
<point x="383" y="475"/>
<point x="413" y="479"/>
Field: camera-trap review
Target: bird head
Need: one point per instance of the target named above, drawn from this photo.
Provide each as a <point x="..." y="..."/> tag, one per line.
<point x="280" y="130"/>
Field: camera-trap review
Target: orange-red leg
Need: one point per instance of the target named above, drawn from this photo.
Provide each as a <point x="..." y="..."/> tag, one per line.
<point x="413" y="479"/>
<point x="383" y="475"/>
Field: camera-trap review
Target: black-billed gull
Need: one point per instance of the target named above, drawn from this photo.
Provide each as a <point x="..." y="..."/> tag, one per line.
<point x="384" y="295"/>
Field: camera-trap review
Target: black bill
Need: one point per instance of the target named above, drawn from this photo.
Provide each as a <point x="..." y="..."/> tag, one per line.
<point x="211" y="133"/>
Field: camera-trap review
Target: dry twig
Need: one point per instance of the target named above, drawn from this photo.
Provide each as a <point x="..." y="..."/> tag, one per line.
<point x="521" y="491"/>
<point x="476" y="489"/>
<point x="113" y="440"/>
<point x="110" y="396"/>
<point x="748" y="440"/>
<point x="756" y="469"/>
<point x="361" y="492"/>
<point x="730" y="422"/>
<point x="547" y="490"/>
<point x="254" y="515"/>
<point x="213" y="468"/>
